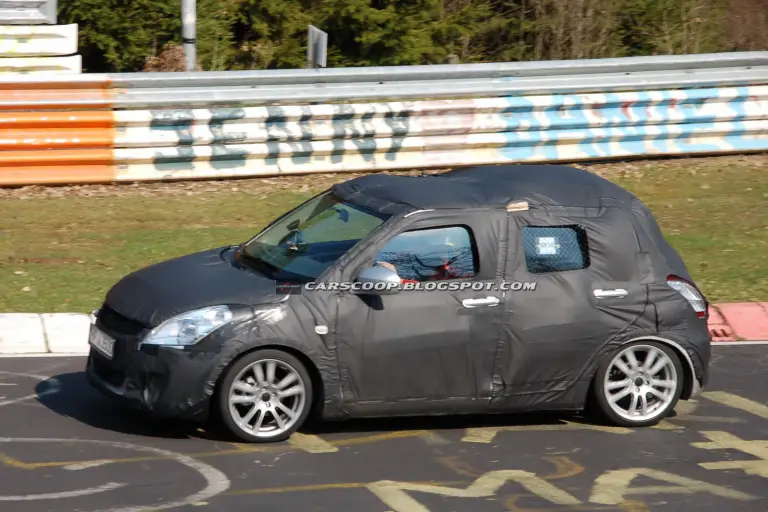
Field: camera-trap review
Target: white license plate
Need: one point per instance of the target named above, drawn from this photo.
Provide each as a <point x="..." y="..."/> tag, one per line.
<point x="101" y="342"/>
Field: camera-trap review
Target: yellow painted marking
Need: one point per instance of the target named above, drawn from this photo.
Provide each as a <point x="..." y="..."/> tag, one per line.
<point x="710" y="419"/>
<point x="488" y="434"/>
<point x="725" y="441"/>
<point x="395" y="495"/>
<point x="238" y="449"/>
<point x="565" y="467"/>
<point x="320" y="487"/>
<point x="738" y="402"/>
<point x="311" y="444"/>
<point x="378" y="437"/>
<point x="9" y="461"/>
<point x="612" y="487"/>
<point x="686" y="407"/>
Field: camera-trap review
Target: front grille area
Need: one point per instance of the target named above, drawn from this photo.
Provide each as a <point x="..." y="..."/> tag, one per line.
<point x="116" y="324"/>
<point x="106" y="372"/>
<point x="127" y="334"/>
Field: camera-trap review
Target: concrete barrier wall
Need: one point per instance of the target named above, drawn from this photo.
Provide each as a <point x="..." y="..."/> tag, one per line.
<point x="32" y="43"/>
<point x="168" y="126"/>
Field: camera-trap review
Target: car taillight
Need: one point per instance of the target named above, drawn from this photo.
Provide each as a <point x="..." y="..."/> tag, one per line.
<point x="691" y="294"/>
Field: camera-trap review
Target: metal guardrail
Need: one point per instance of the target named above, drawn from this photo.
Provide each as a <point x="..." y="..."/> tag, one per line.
<point x="164" y="126"/>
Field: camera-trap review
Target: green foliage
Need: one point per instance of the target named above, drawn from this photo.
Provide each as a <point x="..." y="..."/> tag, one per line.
<point x="273" y="33"/>
<point x="119" y="35"/>
<point x="658" y="27"/>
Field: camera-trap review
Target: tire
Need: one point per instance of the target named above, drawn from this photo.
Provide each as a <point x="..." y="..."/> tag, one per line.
<point x="660" y="391"/>
<point x="245" y="394"/>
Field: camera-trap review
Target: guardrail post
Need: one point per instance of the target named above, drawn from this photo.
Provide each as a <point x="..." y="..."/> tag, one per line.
<point x="189" y="32"/>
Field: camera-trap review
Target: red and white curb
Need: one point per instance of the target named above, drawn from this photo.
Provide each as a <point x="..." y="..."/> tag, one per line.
<point x="66" y="334"/>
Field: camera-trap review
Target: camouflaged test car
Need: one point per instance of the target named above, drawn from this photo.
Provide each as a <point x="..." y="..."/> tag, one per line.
<point x="612" y="323"/>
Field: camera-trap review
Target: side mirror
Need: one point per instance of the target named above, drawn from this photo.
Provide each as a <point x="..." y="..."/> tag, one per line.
<point x="377" y="281"/>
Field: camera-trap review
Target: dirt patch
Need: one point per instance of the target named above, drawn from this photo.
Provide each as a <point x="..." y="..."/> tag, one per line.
<point x="303" y="183"/>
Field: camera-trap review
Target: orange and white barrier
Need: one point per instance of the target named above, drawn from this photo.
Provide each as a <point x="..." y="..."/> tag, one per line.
<point x="174" y="126"/>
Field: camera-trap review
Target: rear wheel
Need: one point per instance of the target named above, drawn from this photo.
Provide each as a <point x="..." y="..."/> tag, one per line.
<point x="639" y="386"/>
<point x="265" y="396"/>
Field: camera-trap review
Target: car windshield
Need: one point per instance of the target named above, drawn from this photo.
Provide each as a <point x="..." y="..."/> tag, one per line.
<point x="301" y="245"/>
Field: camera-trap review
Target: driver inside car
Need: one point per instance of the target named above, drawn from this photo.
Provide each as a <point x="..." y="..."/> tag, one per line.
<point x="440" y="272"/>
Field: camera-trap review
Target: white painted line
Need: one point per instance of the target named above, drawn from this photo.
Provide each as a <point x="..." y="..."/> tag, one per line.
<point x="41" y="354"/>
<point x="54" y="387"/>
<point x="88" y="465"/>
<point x="7" y="384"/>
<point x="66" y="494"/>
<point x="216" y="481"/>
<point x="725" y="343"/>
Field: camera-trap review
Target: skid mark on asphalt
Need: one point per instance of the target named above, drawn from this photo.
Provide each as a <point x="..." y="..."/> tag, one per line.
<point x="565" y="467"/>
<point x="627" y="506"/>
<point x="459" y="466"/>
<point x="323" y="487"/>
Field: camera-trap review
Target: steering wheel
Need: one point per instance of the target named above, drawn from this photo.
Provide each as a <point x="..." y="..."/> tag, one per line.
<point x="436" y="268"/>
<point x="292" y="240"/>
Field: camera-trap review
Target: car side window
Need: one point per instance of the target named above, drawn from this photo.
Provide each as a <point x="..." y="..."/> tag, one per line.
<point x="555" y="248"/>
<point x="433" y="254"/>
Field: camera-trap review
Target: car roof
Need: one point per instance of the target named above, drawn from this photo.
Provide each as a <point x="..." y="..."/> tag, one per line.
<point x="486" y="186"/>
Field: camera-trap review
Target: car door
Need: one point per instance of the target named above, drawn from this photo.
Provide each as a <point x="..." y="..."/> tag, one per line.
<point x="420" y="351"/>
<point x="583" y="262"/>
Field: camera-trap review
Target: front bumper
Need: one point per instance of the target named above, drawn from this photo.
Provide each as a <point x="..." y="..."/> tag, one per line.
<point x="165" y="382"/>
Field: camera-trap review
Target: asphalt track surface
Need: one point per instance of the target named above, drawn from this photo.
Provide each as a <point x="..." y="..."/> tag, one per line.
<point x="63" y="447"/>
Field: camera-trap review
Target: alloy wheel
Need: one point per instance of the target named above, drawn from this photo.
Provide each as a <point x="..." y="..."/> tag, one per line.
<point x="640" y="383"/>
<point x="267" y="398"/>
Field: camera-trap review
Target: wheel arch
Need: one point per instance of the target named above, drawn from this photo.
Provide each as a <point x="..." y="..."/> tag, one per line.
<point x="318" y="389"/>
<point x="689" y="371"/>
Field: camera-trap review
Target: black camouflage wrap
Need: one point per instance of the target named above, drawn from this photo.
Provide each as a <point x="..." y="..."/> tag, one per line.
<point x="422" y="352"/>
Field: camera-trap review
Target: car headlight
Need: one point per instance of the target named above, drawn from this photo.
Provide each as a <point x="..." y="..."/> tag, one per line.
<point x="190" y="327"/>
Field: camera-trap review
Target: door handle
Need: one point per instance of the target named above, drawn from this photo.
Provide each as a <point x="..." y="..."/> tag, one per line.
<point x="485" y="301"/>
<point x="618" y="293"/>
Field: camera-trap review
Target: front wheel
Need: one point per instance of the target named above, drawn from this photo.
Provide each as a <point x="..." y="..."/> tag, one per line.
<point x="639" y="386"/>
<point x="265" y="396"/>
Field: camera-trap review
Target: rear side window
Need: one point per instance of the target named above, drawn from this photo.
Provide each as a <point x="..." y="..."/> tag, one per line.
<point x="555" y="248"/>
